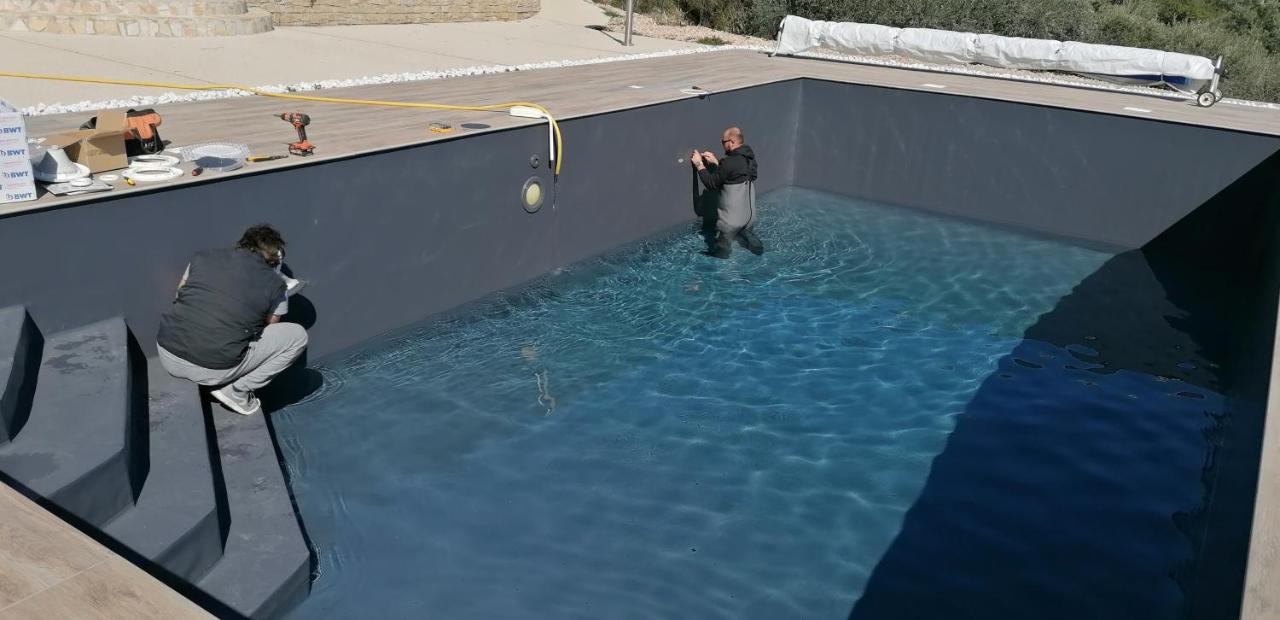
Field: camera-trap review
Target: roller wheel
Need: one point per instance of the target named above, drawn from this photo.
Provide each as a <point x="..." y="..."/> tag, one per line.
<point x="1206" y="99"/>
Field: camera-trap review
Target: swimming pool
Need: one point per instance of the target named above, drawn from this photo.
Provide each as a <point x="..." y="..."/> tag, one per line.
<point x="854" y="421"/>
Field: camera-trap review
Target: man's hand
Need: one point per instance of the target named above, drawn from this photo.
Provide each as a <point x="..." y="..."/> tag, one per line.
<point x="272" y="319"/>
<point x="709" y="159"/>
<point x="695" y="158"/>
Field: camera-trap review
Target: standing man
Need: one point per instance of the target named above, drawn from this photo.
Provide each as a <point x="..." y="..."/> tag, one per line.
<point x="734" y="177"/>
<point x="224" y="327"/>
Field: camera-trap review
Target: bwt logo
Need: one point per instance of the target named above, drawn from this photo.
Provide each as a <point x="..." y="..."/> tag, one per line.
<point x="13" y="152"/>
<point x="22" y="174"/>
<point x="10" y="130"/>
<point x="22" y="196"/>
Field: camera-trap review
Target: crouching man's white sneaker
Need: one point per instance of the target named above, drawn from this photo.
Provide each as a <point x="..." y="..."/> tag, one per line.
<point x="246" y="404"/>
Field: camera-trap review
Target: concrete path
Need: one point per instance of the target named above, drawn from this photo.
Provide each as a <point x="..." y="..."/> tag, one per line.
<point x="304" y="53"/>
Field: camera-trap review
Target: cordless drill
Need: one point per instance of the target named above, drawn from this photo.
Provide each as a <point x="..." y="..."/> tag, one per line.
<point x="299" y="121"/>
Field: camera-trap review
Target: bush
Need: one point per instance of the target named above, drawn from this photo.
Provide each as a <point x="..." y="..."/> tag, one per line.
<point x="1259" y="19"/>
<point x="1249" y="69"/>
<point x="1245" y="32"/>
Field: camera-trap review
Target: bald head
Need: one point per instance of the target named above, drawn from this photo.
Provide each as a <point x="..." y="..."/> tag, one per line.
<point x="731" y="139"/>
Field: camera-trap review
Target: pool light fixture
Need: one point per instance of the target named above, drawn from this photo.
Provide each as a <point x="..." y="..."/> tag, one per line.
<point x="531" y="195"/>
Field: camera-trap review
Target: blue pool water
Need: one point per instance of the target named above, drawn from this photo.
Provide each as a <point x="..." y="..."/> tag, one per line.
<point x="851" y="426"/>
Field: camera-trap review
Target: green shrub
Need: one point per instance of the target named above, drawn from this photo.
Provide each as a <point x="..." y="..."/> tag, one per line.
<point x="1249" y="68"/>
<point x="1116" y="25"/>
<point x="1245" y="32"/>
<point x="1258" y="19"/>
<point x="1175" y="11"/>
<point x="1249" y="71"/>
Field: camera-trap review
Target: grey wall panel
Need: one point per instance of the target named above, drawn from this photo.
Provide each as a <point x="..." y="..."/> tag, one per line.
<point x="390" y="238"/>
<point x="394" y="237"/>
<point x="1091" y="176"/>
<point x="386" y="239"/>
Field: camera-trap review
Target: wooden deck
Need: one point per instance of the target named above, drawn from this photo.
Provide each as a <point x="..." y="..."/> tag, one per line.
<point x="49" y="569"/>
<point x="342" y="130"/>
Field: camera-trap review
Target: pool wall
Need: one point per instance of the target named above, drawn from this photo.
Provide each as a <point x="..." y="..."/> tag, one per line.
<point x="391" y="238"/>
<point x="1175" y="198"/>
<point x="1261" y="453"/>
<point x="384" y="254"/>
<point x="1090" y="176"/>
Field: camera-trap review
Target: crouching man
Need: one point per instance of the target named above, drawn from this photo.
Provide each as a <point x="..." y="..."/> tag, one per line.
<point x="223" y="329"/>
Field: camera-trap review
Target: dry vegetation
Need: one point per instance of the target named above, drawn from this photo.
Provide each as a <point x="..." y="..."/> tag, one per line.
<point x="1245" y="32"/>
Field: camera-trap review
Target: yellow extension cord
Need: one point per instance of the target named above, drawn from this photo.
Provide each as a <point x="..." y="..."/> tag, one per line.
<point x="555" y="127"/>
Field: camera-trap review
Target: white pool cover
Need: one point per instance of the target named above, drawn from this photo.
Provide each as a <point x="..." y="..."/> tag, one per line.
<point x="1129" y="65"/>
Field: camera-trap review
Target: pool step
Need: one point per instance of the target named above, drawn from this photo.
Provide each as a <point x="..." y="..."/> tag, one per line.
<point x="136" y="459"/>
<point x="78" y="449"/>
<point x="180" y="519"/>
<point x="20" y="347"/>
<point x="265" y="570"/>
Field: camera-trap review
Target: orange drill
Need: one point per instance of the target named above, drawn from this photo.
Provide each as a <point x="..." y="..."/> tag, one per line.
<point x="299" y="121"/>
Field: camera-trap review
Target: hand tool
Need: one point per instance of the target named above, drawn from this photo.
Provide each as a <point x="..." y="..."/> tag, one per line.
<point x="265" y="157"/>
<point x="299" y="121"/>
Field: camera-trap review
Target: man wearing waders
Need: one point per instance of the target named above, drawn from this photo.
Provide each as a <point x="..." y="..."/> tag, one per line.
<point x="734" y="177"/>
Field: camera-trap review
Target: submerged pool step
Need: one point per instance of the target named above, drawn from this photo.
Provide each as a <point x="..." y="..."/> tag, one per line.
<point x="78" y="448"/>
<point x="265" y="570"/>
<point x="179" y="519"/>
<point x="20" y="347"/>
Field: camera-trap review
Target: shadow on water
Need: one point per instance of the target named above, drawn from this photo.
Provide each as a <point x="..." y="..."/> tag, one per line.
<point x="1107" y="468"/>
<point x="297" y="381"/>
<point x="292" y="386"/>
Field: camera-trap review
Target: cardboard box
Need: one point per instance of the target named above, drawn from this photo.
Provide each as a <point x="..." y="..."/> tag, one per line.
<point x="101" y="148"/>
<point x="17" y="184"/>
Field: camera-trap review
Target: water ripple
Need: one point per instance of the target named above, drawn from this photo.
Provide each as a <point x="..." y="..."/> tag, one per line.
<point x="655" y="434"/>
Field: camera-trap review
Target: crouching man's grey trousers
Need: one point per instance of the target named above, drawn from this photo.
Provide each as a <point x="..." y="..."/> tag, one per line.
<point x="268" y="356"/>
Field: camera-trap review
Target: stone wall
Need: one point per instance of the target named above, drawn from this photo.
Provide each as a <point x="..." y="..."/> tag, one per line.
<point x="340" y="12"/>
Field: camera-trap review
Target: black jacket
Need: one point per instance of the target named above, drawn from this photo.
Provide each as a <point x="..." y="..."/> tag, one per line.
<point x="737" y="166"/>
<point x="221" y="309"/>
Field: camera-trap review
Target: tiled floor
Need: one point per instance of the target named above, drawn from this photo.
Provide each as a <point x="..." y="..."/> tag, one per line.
<point x="48" y="569"/>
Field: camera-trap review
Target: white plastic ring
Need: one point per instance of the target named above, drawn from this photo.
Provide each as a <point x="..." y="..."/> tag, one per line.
<point x="149" y="161"/>
<point x="152" y="174"/>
